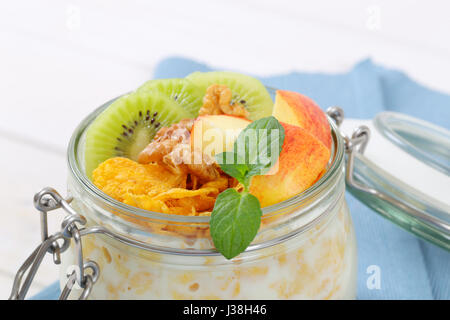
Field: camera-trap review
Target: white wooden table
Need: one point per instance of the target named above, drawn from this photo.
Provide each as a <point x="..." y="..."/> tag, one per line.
<point x="60" y="59"/>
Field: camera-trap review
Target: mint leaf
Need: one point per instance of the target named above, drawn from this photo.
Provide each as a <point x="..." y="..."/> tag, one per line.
<point x="236" y="217"/>
<point x="235" y="220"/>
<point x="232" y="166"/>
<point x="259" y="145"/>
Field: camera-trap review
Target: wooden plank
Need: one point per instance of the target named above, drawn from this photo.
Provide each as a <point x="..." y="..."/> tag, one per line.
<point x="252" y="36"/>
<point x="401" y="21"/>
<point x="54" y="76"/>
<point x="48" y="90"/>
<point x="26" y="169"/>
<point x="6" y="282"/>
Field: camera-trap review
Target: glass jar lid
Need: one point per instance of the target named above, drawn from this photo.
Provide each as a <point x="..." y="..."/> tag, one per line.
<point x="402" y="172"/>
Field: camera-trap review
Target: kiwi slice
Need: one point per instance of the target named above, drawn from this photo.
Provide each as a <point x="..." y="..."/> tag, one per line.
<point x="182" y="91"/>
<point x="126" y="127"/>
<point x="247" y="90"/>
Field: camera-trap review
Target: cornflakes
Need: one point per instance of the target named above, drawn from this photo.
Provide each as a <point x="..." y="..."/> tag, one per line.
<point x="155" y="188"/>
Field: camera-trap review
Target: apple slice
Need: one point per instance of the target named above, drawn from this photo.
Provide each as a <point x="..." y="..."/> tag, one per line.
<point x="213" y="134"/>
<point x="296" y="109"/>
<point x="302" y="159"/>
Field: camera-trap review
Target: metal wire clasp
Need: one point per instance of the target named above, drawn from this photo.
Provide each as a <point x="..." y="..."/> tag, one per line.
<point x="357" y="144"/>
<point x="47" y="200"/>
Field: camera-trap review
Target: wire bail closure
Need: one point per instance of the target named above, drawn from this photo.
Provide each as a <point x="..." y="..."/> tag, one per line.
<point x="357" y="145"/>
<point x="48" y="199"/>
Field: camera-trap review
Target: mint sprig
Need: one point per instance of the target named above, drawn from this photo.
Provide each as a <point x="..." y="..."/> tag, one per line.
<point x="236" y="217"/>
<point x="259" y="145"/>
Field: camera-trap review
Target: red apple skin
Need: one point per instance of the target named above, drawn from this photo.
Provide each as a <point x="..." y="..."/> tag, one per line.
<point x="296" y="109"/>
<point x="301" y="161"/>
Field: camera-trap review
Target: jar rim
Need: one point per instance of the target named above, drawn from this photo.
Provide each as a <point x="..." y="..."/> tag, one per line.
<point x="75" y="169"/>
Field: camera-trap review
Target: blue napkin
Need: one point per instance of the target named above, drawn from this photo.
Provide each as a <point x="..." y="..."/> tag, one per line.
<point x="409" y="267"/>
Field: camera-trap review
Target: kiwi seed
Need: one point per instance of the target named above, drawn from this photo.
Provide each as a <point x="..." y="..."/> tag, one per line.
<point x="131" y="132"/>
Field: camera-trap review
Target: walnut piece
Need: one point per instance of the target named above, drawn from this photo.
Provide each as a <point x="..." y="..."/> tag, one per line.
<point x="217" y="100"/>
<point x="194" y="162"/>
<point x="171" y="147"/>
<point x="165" y="140"/>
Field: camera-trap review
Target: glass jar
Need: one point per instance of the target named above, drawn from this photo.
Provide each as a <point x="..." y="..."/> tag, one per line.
<point x="305" y="248"/>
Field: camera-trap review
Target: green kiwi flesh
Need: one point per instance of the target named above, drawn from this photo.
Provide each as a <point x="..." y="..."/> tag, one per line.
<point x="125" y="127"/>
<point x="247" y="90"/>
<point x="182" y="91"/>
